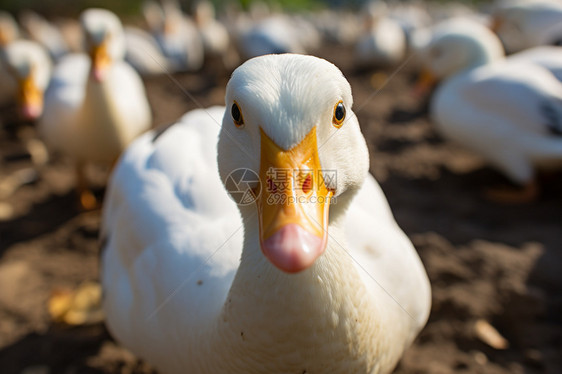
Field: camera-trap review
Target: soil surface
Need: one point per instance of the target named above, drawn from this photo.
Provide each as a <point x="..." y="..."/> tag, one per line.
<point x="492" y="267"/>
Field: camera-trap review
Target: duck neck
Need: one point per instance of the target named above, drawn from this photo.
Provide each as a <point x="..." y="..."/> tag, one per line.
<point x="101" y="118"/>
<point x="269" y="308"/>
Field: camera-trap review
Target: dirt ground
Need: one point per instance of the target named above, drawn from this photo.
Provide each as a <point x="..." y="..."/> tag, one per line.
<point x="486" y="261"/>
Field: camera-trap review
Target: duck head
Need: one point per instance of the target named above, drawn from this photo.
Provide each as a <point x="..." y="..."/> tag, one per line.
<point x="104" y="40"/>
<point x="30" y="65"/>
<point x="289" y="123"/>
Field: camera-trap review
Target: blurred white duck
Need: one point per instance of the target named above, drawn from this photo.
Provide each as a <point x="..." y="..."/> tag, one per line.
<point x="44" y="33"/>
<point x="176" y="34"/>
<point x="549" y="57"/>
<point x="313" y="275"/>
<point x="215" y="36"/>
<point x="273" y="34"/>
<point x="143" y="52"/>
<point x="95" y="105"/>
<point x="525" y="24"/>
<point x="340" y="27"/>
<point x="29" y="66"/>
<point x="383" y="43"/>
<point x="507" y="110"/>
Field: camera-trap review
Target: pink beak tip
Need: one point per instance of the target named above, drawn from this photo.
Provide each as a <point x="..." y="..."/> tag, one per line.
<point x="293" y="249"/>
<point x="31" y="112"/>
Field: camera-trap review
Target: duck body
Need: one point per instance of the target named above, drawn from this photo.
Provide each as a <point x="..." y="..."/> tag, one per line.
<point x="188" y="289"/>
<point x="508" y="110"/>
<point x="549" y="57"/>
<point x="510" y="118"/>
<point x="90" y="120"/>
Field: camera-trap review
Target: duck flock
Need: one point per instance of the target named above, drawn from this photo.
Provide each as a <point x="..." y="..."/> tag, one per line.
<point x="250" y="237"/>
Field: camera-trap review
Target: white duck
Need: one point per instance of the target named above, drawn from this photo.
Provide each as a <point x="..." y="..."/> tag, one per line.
<point x="383" y="42"/>
<point x="215" y="36"/>
<point x="95" y="104"/>
<point x="29" y="66"/>
<point x="549" y="57"/>
<point x="44" y="33"/>
<point x="143" y="52"/>
<point x="273" y="34"/>
<point x="507" y="110"/>
<point x="176" y="35"/>
<point x="312" y="276"/>
<point x="28" y="69"/>
<point x="525" y="24"/>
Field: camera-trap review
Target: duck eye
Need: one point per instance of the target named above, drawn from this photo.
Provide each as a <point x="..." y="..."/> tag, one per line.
<point x="339" y="114"/>
<point x="237" y="115"/>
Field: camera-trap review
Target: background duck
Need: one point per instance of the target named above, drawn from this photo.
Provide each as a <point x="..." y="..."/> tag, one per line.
<point x="143" y="52"/>
<point x="45" y="33"/>
<point x="95" y="104"/>
<point x="29" y="66"/>
<point x="321" y="281"/>
<point x="216" y="39"/>
<point x="383" y="43"/>
<point x="525" y="24"/>
<point x="506" y="110"/>
<point x="176" y="34"/>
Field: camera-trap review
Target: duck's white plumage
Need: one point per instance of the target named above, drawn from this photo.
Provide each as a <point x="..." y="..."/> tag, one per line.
<point x="91" y="119"/>
<point x="143" y="52"/>
<point x="186" y="285"/>
<point x="507" y="110"/>
<point x="526" y="24"/>
<point x="549" y="57"/>
<point x="383" y="43"/>
<point x="44" y="33"/>
<point x="176" y="34"/>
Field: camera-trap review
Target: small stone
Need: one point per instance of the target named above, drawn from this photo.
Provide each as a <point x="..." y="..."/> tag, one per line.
<point x="489" y="335"/>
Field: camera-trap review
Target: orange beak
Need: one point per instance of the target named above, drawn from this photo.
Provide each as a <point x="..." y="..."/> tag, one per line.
<point x="30" y="98"/>
<point x="425" y="83"/>
<point x="4" y="39"/>
<point x="101" y="60"/>
<point x="169" y="27"/>
<point x="294" y="203"/>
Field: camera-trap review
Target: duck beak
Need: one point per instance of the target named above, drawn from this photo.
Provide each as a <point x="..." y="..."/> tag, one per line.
<point x="4" y="39"/>
<point x="169" y="27"/>
<point x="294" y="203"/>
<point x="424" y="84"/>
<point x="101" y="60"/>
<point x="30" y="98"/>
